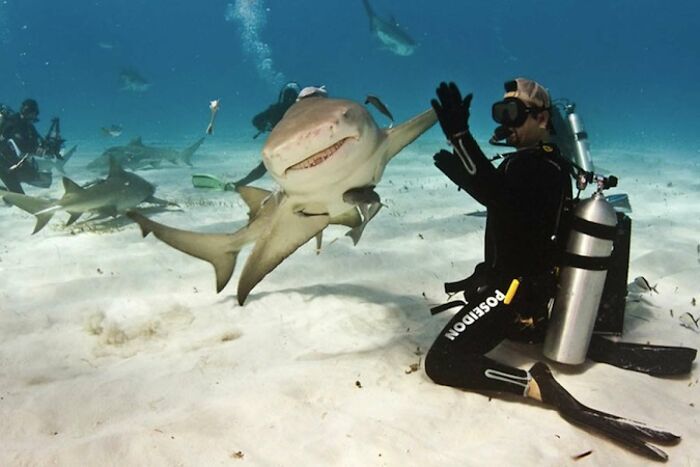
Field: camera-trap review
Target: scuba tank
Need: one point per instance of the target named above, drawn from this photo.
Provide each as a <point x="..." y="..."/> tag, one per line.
<point x="583" y="151"/>
<point x="582" y="278"/>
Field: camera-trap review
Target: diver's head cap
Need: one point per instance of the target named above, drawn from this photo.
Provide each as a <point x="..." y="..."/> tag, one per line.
<point x="313" y="91"/>
<point x="29" y="109"/>
<point x="289" y="92"/>
<point x="529" y="91"/>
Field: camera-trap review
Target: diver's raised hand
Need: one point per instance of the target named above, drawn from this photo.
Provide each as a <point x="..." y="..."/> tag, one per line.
<point x="629" y="433"/>
<point x="452" y="111"/>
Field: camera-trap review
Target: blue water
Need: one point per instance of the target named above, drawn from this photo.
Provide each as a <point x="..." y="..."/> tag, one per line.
<point x="631" y="65"/>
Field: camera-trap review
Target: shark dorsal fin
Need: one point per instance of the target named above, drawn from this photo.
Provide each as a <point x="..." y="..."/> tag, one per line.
<point x="136" y="142"/>
<point x="402" y="135"/>
<point x="114" y="167"/>
<point x="69" y="186"/>
<point x="253" y="197"/>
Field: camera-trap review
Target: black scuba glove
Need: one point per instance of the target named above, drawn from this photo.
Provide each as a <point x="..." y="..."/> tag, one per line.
<point x="631" y="434"/>
<point x="452" y="111"/>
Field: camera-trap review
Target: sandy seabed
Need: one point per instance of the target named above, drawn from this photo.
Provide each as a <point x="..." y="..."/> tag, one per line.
<point x="116" y="350"/>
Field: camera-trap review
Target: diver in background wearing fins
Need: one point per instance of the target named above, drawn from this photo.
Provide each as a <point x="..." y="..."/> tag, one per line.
<point x="529" y="200"/>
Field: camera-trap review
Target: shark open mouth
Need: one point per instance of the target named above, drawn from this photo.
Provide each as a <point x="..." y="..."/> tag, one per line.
<point x="319" y="157"/>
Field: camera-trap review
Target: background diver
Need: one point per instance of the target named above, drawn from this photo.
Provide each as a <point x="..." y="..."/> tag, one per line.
<point x="525" y="198"/>
<point x="266" y="120"/>
<point x="20" y="141"/>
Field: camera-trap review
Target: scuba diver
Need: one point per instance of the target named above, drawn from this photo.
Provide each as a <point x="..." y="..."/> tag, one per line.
<point x="266" y="120"/>
<point x="20" y="141"/>
<point x="528" y="198"/>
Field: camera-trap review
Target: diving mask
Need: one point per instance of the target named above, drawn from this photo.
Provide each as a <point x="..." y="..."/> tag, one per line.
<point x="512" y="112"/>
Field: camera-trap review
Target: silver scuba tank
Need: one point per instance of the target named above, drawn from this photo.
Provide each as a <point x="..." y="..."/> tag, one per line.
<point x="581" y="280"/>
<point x="583" y="152"/>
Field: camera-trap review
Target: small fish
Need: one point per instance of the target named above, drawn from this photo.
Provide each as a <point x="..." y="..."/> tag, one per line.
<point x="689" y="321"/>
<point x="312" y="91"/>
<point x="643" y="284"/>
<point x="214" y="107"/>
<point x="379" y="105"/>
<point x="112" y="130"/>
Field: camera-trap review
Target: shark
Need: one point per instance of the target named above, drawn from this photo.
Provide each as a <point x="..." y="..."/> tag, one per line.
<point x="136" y="155"/>
<point x="389" y="33"/>
<point x="120" y="192"/>
<point x="132" y="81"/>
<point x="55" y="164"/>
<point x="327" y="155"/>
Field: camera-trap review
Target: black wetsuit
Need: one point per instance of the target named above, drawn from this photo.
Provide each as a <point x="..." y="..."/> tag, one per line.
<point x="24" y="135"/>
<point x="265" y="121"/>
<point x="524" y="198"/>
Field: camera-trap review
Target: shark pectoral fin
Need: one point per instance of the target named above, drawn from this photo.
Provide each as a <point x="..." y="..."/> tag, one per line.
<point x="288" y="231"/>
<point x="350" y="218"/>
<point x="41" y="208"/>
<point x="401" y="136"/>
<point x="221" y="250"/>
<point x="253" y="197"/>
<point x="74" y="216"/>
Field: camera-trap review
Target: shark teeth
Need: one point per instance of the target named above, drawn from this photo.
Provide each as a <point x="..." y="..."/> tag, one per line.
<point x="318" y="157"/>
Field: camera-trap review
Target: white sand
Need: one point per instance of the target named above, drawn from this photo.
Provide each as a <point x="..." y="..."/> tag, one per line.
<point x="116" y="350"/>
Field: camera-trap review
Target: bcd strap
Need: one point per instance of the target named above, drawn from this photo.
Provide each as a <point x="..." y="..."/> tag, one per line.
<point x="446" y="306"/>
<point x="605" y="232"/>
<point x="591" y="263"/>
<point x="458" y="286"/>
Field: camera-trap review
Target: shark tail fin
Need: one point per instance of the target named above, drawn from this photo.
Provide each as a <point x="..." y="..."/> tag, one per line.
<point x="187" y="153"/>
<point x="41" y="208"/>
<point x="60" y="163"/>
<point x="401" y="136"/>
<point x="220" y="250"/>
<point x="370" y="13"/>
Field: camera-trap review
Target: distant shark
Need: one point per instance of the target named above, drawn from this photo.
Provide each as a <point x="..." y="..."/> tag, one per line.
<point x="136" y="155"/>
<point x="119" y="192"/>
<point x="390" y="33"/>
<point x="132" y="81"/>
<point x="327" y="155"/>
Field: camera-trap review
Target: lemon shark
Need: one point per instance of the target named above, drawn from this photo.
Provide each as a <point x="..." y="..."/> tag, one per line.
<point x="326" y="155"/>
<point x="136" y="155"/>
<point x="119" y="192"/>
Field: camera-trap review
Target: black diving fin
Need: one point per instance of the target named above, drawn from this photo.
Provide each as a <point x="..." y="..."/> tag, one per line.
<point x="628" y="433"/>
<point x="655" y="360"/>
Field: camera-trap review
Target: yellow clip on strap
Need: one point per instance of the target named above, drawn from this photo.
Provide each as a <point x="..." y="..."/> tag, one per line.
<point x="512" y="289"/>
